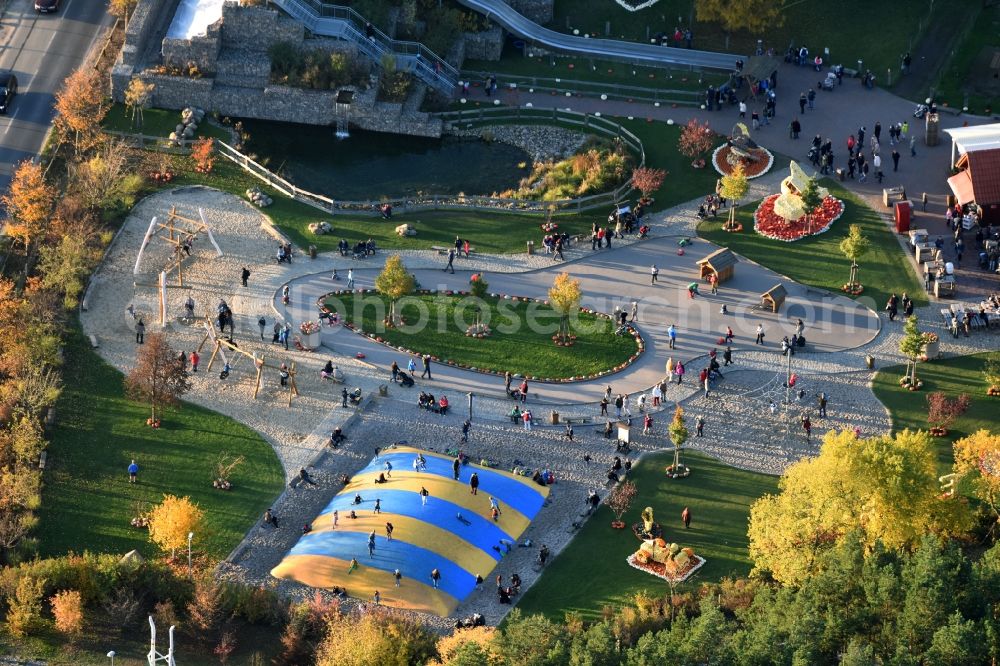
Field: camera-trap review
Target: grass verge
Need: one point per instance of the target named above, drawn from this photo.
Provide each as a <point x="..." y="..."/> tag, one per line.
<point x="953" y="376"/>
<point x="817" y="260"/>
<point x="719" y="497"/>
<point x="156" y="122"/>
<point x="956" y="85"/>
<point x="87" y="501"/>
<point x="521" y="341"/>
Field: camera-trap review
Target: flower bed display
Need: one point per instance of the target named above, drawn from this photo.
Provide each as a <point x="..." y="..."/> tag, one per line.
<point x="768" y="223"/>
<point x="724" y="159"/>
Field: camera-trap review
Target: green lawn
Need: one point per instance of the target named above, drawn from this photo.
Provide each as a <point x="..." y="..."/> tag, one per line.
<point x="586" y="75"/>
<point x="87" y="501"/>
<point x="521" y="341"/>
<point x="961" y="374"/>
<point x="879" y="32"/>
<point x="591" y="572"/>
<point x="957" y="79"/>
<point x="156" y="122"/>
<point x="817" y="260"/>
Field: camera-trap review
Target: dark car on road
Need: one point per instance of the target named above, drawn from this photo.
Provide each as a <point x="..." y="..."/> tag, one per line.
<point x="8" y="88"/>
<point x="46" y="6"/>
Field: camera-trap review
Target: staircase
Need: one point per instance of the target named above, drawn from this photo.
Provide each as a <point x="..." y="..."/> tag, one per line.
<point x="344" y="23"/>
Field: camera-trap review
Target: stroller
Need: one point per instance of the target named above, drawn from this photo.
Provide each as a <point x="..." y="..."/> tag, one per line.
<point x="829" y="82"/>
<point x="354" y="397"/>
<point x="405" y="379"/>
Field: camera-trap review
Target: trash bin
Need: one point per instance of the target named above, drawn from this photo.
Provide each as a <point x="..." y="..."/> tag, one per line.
<point x="840" y="175"/>
<point x="531" y="248"/>
<point x="312" y="251"/>
<point x="554" y="417"/>
<point x="870" y="361"/>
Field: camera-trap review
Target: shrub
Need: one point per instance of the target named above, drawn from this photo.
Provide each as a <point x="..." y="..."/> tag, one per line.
<point x="121" y="608"/>
<point x="67" y="610"/>
<point x="256" y="605"/>
<point x="24" y="613"/>
<point x="315" y="69"/>
<point x="393" y="85"/>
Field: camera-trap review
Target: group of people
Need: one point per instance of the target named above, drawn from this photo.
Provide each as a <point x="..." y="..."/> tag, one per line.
<point x="284" y="253"/>
<point x="895" y="303"/>
<point x="360" y="250"/>
<point x="620" y="223"/>
<point x="427" y="401"/>
<point x="961" y="219"/>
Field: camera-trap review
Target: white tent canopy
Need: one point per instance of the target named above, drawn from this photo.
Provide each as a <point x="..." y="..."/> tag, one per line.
<point x="970" y="139"/>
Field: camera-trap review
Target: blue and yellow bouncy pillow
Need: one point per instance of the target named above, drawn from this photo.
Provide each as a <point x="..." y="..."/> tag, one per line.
<point x="453" y="531"/>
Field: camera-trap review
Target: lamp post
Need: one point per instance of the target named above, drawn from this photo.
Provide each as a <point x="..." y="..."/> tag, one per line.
<point x="190" y="536"/>
<point x="111" y="656"/>
<point x="471" y="396"/>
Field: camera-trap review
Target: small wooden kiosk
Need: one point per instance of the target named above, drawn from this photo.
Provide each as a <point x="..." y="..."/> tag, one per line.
<point x="721" y="263"/>
<point x="773" y="298"/>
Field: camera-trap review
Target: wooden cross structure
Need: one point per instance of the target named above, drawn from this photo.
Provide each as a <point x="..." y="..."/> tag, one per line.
<point x="222" y="345"/>
<point x="180" y="232"/>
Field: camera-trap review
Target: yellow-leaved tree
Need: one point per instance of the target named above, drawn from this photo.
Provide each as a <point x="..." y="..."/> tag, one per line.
<point x="755" y="16"/>
<point x="80" y="107"/>
<point x="172" y="520"/>
<point x="377" y="637"/>
<point x="884" y="488"/>
<point x="977" y="457"/>
<point x="734" y="187"/>
<point x="394" y="282"/>
<point x="564" y="298"/>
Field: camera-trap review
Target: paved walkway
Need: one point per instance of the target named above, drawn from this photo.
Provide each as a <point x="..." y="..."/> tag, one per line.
<point x="837" y="115"/>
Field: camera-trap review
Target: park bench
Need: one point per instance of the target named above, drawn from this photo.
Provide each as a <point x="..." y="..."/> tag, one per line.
<point x="444" y="250"/>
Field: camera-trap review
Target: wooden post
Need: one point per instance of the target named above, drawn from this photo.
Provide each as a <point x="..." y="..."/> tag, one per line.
<point x="292" y="388"/>
<point x="260" y="371"/>
<point x="215" y="351"/>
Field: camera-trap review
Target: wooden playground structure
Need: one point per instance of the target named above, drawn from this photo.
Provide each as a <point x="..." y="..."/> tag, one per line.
<point x="222" y="345"/>
<point x="180" y="232"/>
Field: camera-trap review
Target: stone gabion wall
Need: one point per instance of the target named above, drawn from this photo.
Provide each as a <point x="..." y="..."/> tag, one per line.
<point x="202" y="52"/>
<point x="485" y="45"/>
<point x="146" y="19"/>
<point x="256" y="29"/>
<point x="539" y="11"/>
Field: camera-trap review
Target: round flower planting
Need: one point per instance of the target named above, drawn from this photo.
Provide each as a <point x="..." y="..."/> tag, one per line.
<point x="725" y="159"/>
<point x="768" y="223"/>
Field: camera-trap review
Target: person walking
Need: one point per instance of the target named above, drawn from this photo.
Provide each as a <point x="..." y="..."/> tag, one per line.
<point x="456" y="465"/>
<point x="450" y="267"/>
<point x="411" y="366"/>
<point x="262" y="325"/>
<point x="350" y="278"/>
<point x="913" y="146"/>
<point x="398" y="576"/>
<point x="435" y="578"/>
<point x="760" y="335"/>
<point x="686" y="517"/>
<point x="465" y="431"/>
<point x="795" y="128"/>
<point x="743" y="110"/>
<point x="507" y="379"/>
<point x="672" y="336"/>
<point x="700" y="426"/>
<point x="634" y="314"/>
<point x="523" y="391"/>
<point x="822" y="405"/>
<point x="807" y="426"/>
<point x="389" y="527"/>
<point x="140" y="331"/>
<point x="378" y="507"/>
<point x="654" y="272"/>
<point x="244" y="275"/>
<point x="424" y="493"/>
<point x="877" y="165"/>
<point x="811" y="96"/>
<point x="133" y="472"/>
<point x="195" y="358"/>
<point x="394" y="371"/>
<point x="343" y="397"/>
<point x="679" y="371"/>
<point x="474" y="484"/>
<point x="426" y="359"/>
<point x="802" y="103"/>
<point x="371" y="544"/>
<point x="495" y="507"/>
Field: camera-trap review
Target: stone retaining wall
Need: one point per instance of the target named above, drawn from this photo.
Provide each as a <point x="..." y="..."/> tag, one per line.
<point x="485" y="45"/>
<point x="146" y="19"/>
<point x="539" y="11"/>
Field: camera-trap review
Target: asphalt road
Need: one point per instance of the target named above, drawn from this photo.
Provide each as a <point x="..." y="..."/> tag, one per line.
<point x="41" y="50"/>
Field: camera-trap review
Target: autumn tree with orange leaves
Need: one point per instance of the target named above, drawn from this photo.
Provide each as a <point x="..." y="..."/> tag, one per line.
<point x="80" y="108"/>
<point x="28" y="204"/>
<point x="158" y="377"/>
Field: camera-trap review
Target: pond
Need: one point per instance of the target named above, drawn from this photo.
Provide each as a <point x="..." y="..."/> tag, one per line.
<point x="369" y="165"/>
